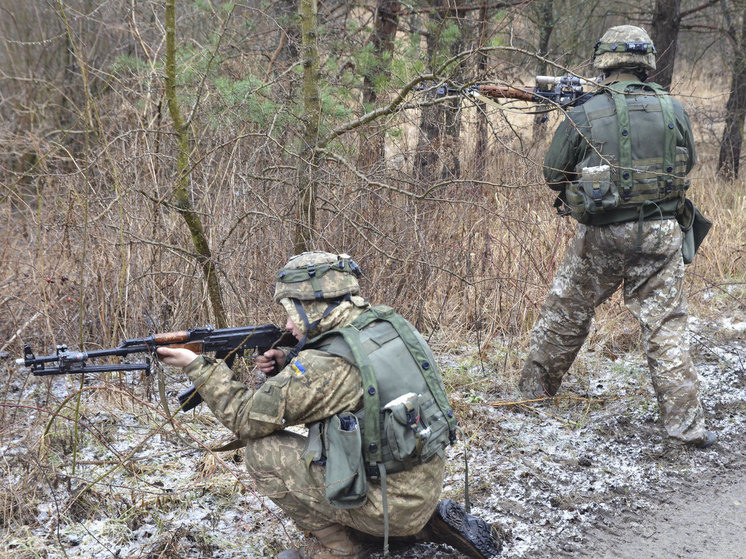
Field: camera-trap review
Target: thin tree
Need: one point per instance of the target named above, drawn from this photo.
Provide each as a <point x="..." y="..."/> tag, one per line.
<point x="307" y="177"/>
<point x="664" y="32"/>
<point x="452" y="162"/>
<point x="386" y="24"/>
<point x="181" y="194"/>
<point x="544" y="13"/>
<point x="480" y="148"/>
<point x="440" y="125"/>
<point x="287" y="48"/>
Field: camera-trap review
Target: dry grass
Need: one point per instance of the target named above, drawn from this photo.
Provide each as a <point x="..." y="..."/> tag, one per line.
<point x="94" y="253"/>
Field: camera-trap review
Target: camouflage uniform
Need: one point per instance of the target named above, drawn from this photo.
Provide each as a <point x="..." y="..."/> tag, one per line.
<point x="642" y="254"/>
<point x="320" y="387"/>
<point x="598" y="260"/>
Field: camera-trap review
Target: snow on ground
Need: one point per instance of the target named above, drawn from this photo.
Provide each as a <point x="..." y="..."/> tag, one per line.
<point x="121" y="481"/>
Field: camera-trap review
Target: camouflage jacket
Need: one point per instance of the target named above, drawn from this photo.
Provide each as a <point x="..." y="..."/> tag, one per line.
<point x="313" y="387"/>
<point x="316" y="385"/>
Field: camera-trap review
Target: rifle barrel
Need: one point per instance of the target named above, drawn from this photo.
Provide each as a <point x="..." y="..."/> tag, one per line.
<point x="49" y="371"/>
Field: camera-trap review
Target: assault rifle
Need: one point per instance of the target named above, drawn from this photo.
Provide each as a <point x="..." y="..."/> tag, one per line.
<point x="226" y="343"/>
<point x="562" y="91"/>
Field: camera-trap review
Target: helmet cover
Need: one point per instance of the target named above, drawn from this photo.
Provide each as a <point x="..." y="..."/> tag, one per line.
<point x="624" y="46"/>
<point x="317" y="276"/>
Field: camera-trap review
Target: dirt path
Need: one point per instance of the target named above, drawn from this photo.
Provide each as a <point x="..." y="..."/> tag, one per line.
<point x="706" y="519"/>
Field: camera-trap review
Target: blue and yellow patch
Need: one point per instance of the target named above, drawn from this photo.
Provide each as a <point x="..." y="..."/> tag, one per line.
<point x="298" y="369"/>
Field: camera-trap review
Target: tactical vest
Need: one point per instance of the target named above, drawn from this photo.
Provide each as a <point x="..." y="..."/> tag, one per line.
<point x="633" y="167"/>
<point x="406" y="418"/>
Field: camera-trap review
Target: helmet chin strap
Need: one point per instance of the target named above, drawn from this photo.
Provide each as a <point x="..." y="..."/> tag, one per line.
<point x="309" y="327"/>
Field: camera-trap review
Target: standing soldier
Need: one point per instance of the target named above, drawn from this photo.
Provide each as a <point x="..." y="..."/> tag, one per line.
<point x="619" y="163"/>
<point x="367" y="385"/>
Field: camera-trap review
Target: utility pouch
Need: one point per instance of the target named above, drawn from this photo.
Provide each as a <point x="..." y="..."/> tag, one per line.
<point x="314" y="451"/>
<point x="594" y="193"/>
<point x="402" y="428"/>
<point x="346" y="484"/>
<point x="695" y="227"/>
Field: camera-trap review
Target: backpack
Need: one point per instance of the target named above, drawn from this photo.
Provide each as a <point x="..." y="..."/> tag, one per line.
<point x="406" y="418"/>
<point x="622" y="184"/>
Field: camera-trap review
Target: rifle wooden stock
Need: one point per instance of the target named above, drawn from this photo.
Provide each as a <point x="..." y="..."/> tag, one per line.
<point x="195" y="346"/>
<point x="168" y="338"/>
<point x="507" y="92"/>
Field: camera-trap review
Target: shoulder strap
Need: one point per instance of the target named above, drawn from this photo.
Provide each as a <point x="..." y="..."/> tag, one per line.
<point x="371" y="399"/>
<point x="625" y="143"/>
<point x="618" y="91"/>
<point x="669" y="153"/>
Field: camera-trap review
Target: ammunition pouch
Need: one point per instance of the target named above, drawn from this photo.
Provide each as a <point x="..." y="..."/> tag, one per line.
<point x="346" y="483"/>
<point x="695" y="227"/>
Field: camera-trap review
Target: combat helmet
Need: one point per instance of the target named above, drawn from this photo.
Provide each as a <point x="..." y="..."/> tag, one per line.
<point x="311" y="285"/>
<point x="317" y="276"/>
<point x="624" y="46"/>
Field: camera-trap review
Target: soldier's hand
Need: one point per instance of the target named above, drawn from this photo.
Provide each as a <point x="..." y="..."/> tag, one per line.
<point x="271" y="361"/>
<point x="176" y="356"/>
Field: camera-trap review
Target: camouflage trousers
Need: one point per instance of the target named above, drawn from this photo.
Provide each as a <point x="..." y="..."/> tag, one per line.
<point x="277" y="465"/>
<point x="598" y="260"/>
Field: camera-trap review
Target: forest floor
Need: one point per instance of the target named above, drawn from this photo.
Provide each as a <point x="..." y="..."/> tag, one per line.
<point x="587" y="474"/>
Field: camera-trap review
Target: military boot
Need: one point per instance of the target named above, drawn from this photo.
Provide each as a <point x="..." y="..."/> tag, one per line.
<point x="472" y="536"/>
<point x="707" y="440"/>
<point x="333" y="542"/>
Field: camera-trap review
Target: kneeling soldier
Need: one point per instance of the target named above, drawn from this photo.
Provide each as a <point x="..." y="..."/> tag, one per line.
<point x="366" y="384"/>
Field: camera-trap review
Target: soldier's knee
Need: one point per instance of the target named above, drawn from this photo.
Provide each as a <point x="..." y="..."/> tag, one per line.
<point x="260" y="455"/>
<point x="274" y="453"/>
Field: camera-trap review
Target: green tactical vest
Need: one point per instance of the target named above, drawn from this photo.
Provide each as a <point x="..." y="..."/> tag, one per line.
<point x="406" y="418"/>
<point x="633" y="168"/>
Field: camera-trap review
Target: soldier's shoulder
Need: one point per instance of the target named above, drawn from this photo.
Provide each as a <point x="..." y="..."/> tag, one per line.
<point x="599" y="99"/>
<point x="331" y="355"/>
<point x="578" y="115"/>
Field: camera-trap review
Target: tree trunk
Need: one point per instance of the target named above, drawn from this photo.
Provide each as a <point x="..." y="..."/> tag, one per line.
<point x="452" y="132"/>
<point x="545" y="24"/>
<point x="438" y="142"/>
<point x="665" y="34"/>
<point x="480" y="149"/>
<point x="735" y="108"/>
<point x="287" y="49"/>
<point x="304" y="230"/>
<point x="372" y="138"/>
<point x="181" y="193"/>
<point x="730" y="146"/>
<point x="428" y="140"/>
